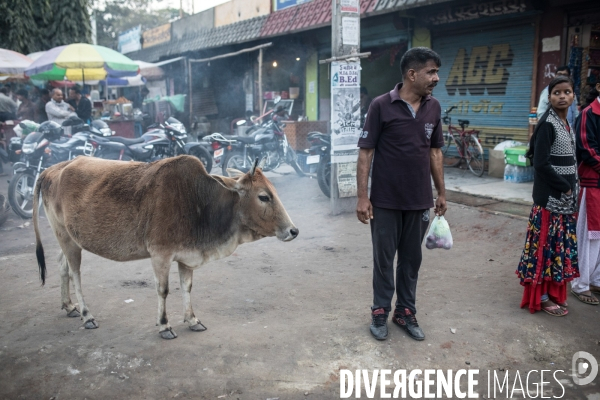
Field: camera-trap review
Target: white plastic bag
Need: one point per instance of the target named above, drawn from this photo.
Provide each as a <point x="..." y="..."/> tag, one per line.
<point x="439" y="236"/>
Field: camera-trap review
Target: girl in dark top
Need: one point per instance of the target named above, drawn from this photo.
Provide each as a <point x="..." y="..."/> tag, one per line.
<point x="549" y="259"/>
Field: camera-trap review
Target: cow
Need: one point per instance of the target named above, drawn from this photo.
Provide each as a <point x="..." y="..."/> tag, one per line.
<point x="168" y="210"/>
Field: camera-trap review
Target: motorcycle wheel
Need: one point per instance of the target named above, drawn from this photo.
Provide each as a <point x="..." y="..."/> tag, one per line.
<point x="235" y="160"/>
<point x="324" y="175"/>
<point x="204" y="156"/>
<point x="293" y="161"/>
<point x="20" y="193"/>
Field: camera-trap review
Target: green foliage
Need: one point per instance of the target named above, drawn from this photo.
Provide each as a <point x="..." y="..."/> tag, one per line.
<point x="121" y="15"/>
<point x="27" y="26"/>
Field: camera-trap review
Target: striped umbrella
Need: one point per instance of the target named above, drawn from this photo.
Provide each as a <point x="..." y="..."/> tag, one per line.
<point x="81" y="61"/>
<point x="13" y="64"/>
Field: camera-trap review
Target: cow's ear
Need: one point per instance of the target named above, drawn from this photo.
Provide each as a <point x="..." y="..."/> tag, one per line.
<point x="227" y="183"/>
<point x="234" y="173"/>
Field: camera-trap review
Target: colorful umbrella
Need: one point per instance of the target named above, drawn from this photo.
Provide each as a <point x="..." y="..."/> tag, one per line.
<point x="13" y="64"/>
<point x="81" y="61"/>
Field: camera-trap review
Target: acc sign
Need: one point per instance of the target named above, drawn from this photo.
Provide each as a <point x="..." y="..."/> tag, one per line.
<point x="485" y="69"/>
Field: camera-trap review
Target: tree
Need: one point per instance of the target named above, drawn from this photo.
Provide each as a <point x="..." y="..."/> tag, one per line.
<point x="121" y="15"/>
<point x="27" y="26"/>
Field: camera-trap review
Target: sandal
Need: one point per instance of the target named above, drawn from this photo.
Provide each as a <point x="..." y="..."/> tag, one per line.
<point x="562" y="305"/>
<point x="585" y="298"/>
<point x="553" y="308"/>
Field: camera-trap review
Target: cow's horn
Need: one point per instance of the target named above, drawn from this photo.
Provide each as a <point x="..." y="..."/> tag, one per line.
<point x="254" y="167"/>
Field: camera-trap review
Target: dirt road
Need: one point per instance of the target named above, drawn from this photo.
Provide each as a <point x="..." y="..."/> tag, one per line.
<point x="282" y="318"/>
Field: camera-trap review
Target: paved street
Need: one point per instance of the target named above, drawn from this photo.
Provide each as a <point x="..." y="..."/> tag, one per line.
<point x="282" y="318"/>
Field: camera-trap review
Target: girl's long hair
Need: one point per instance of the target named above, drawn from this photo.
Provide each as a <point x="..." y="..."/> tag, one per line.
<point x="557" y="80"/>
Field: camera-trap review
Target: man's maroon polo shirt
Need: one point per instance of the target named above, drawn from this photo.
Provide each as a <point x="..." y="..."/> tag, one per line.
<point x="401" y="178"/>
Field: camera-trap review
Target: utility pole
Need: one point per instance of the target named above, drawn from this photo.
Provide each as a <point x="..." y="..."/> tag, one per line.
<point x="345" y="102"/>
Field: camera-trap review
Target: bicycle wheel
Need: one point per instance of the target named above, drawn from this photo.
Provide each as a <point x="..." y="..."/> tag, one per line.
<point x="474" y="156"/>
<point x="448" y="141"/>
<point x="453" y="161"/>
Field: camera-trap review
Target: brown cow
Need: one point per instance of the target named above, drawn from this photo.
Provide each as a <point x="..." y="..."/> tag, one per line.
<point x="169" y="210"/>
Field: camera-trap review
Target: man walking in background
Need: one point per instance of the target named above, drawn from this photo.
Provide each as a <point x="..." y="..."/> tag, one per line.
<point x="40" y="106"/>
<point x="404" y="131"/>
<point x="544" y="102"/>
<point x="81" y="104"/>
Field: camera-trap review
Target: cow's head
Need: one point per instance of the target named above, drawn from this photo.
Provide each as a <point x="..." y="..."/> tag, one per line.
<point x="260" y="207"/>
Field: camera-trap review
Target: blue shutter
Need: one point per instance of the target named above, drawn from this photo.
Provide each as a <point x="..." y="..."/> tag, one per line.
<point x="488" y="77"/>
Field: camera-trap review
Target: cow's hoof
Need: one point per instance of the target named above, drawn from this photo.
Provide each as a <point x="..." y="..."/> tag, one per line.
<point x="91" y="324"/>
<point x="74" y="313"/>
<point x="198" y="327"/>
<point x="168" y="334"/>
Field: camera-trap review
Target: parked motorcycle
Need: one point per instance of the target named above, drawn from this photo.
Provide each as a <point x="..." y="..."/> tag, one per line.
<point x="161" y="141"/>
<point x="41" y="149"/>
<point x="36" y="156"/>
<point x="267" y="142"/>
<point x="320" y="153"/>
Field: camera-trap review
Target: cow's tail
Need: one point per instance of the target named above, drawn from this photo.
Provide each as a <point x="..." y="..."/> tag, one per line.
<point x="39" y="249"/>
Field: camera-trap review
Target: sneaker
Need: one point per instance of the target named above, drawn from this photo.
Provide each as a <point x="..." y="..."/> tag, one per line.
<point x="379" y="327"/>
<point x="407" y="321"/>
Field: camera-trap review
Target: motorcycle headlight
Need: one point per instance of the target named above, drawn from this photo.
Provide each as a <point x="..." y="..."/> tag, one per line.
<point x="179" y="128"/>
<point x="28" y="148"/>
<point x="106" y="131"/>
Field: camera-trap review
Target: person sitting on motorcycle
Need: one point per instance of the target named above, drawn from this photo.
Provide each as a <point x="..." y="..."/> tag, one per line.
<point x="58" y="110"/>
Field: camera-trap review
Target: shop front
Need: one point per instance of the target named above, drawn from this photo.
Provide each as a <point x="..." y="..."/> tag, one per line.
<point x="487" y="69"/>
<point x="583" y="47"/>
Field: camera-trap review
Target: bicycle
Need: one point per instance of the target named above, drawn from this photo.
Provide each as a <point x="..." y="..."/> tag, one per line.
<point x="467" y="144"/>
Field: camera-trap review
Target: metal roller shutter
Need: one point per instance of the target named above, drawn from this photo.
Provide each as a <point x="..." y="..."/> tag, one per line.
<point x="487" y="76"/>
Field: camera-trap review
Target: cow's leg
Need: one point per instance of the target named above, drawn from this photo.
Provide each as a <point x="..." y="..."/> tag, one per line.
<point x="72" y="253"/>
<point x="65" y="287"/>
<point x="185" y="281"/>
<point x="161" y="267"/>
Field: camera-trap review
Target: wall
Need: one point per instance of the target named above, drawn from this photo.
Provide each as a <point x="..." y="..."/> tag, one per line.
<point x="240" y="10"/>
<point x="194" y="23"/>
<point x="312" y="87"/>
<point x="421" y="37"/>
<point x="550" y="48"/>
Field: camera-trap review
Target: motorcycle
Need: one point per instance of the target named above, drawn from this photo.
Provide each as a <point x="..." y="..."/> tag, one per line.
<point x="39" y="151"/>
<point x="267" y="142"/>
<point x="320" y="153"/>
<point x="161" y="141"/>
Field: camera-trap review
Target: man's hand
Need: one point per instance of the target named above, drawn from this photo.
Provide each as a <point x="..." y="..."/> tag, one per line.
<point x="440" y="206"/>
<point x="364" y="210"/>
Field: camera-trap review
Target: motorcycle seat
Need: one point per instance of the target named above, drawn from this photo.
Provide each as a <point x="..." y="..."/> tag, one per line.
<point x="113" y="145"/>
<point x="125" y="141"/>
<point x="243" y="139"/>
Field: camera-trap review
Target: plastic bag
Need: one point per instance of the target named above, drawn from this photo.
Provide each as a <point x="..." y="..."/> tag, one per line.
<point x="25" y="127"/>
<point x="507" y="144"/>
<point x="439" y="236"/>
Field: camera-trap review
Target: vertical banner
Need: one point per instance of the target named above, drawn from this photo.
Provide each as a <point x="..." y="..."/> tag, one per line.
<point x="345" y="123"/>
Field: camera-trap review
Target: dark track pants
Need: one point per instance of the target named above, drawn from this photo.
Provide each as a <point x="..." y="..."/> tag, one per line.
<point x="402" y="232"/>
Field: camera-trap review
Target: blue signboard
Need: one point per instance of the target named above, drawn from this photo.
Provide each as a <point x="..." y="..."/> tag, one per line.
<point x="281" y="4"/>
<point x="130" y="40"/>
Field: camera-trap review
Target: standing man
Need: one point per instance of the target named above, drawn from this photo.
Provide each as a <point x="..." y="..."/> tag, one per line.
<point x="26" y="108"/>
<point x="404" y="131"/>
<point x="57" y="110"/>
<point x="544" y="103"/>
<point x="40" y="106"/>
<point x="8" y="108"/>
<point x="81" y="104"/>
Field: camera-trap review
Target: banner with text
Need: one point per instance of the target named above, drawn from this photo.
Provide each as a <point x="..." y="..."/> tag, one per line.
<point x="345" y="123"/>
